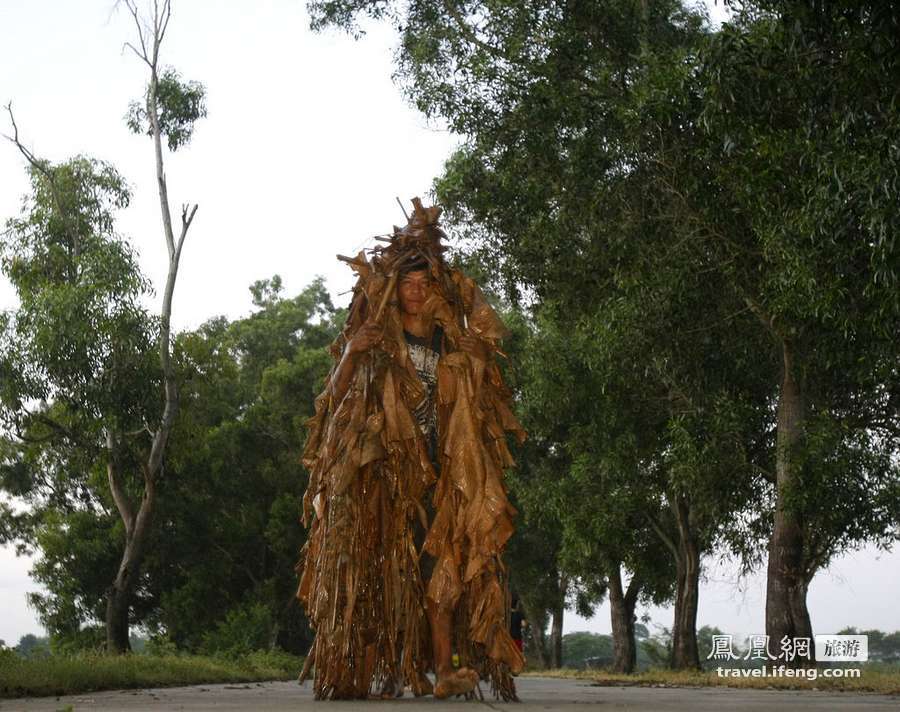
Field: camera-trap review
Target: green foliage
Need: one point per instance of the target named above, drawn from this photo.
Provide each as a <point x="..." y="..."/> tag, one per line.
<point x="229" y="531"/>
<point x="682" y="205"/>
<point x="89" y="639"/>
<point x="579" y="648"/>
<point x="800" y="126"/>
<point x="179" y="105"/>
<point x="245" y="629"/>
<point x="705" y="645"/>
<point x="883" y="647"/>
<point x="79" y="333"/>
<point x="657" y="649"/>
<point x="32" y="646"/>
<point x="81" y="351"/>
<point x="161" y="645"/>
<point x="66" y="675"/>
<point x="79" y="356"/>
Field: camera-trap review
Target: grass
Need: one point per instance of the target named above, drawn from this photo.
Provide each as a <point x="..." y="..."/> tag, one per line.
<point x="881" y="679"/>
<point x="66" y="675"/>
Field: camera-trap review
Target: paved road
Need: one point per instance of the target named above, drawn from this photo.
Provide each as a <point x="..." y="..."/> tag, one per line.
<point x="536" y="694"/>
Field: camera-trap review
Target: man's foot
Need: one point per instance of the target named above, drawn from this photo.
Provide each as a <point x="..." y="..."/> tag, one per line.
<point x="422" y="686"/>
<point x="390" y="690"/>
<point x="456" y="682"/>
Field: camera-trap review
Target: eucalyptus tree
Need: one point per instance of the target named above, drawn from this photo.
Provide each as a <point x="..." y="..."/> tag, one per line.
<point x="170" y="109"/>
<point x="75" y="343"/>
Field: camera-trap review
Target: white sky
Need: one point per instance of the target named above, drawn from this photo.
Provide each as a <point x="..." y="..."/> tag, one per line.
<point x="306" y="145"/>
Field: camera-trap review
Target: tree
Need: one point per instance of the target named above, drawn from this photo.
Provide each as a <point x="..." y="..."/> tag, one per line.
<point x="731" y="196"/>
<point x="229" y="531"/>
<point x="883" y="647"/>
<point x="76" y="361"/>
<point x="800" y="119"/>
<point x="166" y="112"/>
<point x="546" y="122"/>
<point x="546" y="587"/>
<point x="32" y="646"/>
<point x="584" y="649"/>
<point x="648" y="487"/>
<point x="80" y="347"/>
<point x="596" y="525"/>
<point x="217" y="575"/>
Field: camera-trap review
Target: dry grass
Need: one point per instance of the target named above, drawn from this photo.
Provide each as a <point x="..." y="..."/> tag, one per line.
<point x="880" y="679"/>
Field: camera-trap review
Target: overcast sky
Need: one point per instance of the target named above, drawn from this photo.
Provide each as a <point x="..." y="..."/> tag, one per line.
<point x="306" y="145"/>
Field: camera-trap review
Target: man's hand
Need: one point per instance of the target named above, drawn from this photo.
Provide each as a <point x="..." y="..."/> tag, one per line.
<point x="365" y="338"/>
<point x="474" y="346"/>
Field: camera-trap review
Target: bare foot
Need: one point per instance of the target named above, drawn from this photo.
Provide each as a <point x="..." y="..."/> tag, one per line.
<point x="422" y="686"/>
<point x="389" y="690"/>
<point x="458" y="682"/>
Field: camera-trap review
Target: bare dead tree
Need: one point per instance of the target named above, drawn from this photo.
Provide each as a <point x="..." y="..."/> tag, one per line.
<point x="137" y="517"/>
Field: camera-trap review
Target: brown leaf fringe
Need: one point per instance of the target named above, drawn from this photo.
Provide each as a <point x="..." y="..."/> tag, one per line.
<point x="370" y="477"/>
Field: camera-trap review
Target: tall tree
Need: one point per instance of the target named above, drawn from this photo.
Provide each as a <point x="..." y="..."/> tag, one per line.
<point x="170" y="109"/>
<point x="621" y="154"/>
<point x="544" y="94"/>
<point x="801" y="126"/>
<point x="76" y="363"/>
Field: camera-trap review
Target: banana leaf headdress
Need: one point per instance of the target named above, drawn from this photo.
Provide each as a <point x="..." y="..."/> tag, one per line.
<point x="456" y="301"/>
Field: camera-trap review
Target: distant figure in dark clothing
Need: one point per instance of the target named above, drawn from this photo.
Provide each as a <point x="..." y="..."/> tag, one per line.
<point x="516" y="619"/>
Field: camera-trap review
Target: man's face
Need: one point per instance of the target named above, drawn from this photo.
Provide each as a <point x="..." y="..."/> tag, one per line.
<point x="413" y="290"/>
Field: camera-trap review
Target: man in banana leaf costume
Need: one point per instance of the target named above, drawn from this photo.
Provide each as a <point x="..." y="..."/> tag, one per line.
<point x="406" y="506"/>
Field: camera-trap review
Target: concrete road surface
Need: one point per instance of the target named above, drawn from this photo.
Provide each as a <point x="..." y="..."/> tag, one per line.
<point x="536" y="694"/>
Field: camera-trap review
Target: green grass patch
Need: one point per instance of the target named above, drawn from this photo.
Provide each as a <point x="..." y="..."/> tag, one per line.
<point x="67" y="675"/>
<point x="881" y="679"/>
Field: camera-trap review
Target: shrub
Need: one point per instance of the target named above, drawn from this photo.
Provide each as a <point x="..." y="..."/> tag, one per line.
<point x="245" y="629"/>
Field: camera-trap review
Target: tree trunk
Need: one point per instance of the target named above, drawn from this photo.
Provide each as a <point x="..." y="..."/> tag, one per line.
<point x="117" y="632"/>
<point x="118" y="596"/>
<point x="137" y="527"/>
<point x="556" y="627"/>
<point x="556" y="637"/>
<point x="687" y="566"/>
<point x="786" y="613"/>
<point x="622" y="606"/>
<point x="536" y="626"/>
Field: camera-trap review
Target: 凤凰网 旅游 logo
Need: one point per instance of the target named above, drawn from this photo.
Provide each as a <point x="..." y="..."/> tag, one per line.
<point x="827" y="648"/>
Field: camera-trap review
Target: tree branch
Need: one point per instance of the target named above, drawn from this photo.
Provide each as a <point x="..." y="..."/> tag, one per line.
<point x="116" y="488"/>
<point x="41" y="166"/>
<point x="128" y="45"/>
<point x="132" y="9"/>
<point x="666" y="539"/>
<point x="469" y="33"/>
<point x="765" y="319"/>
<point x="162" y="12"/>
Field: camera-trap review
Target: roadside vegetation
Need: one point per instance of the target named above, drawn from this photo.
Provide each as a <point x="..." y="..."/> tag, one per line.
<point x="877" y="677"/>
<point x="90" y="672"/>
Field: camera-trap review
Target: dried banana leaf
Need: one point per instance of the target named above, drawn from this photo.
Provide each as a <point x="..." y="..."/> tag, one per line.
<point x="371" y="482"/>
